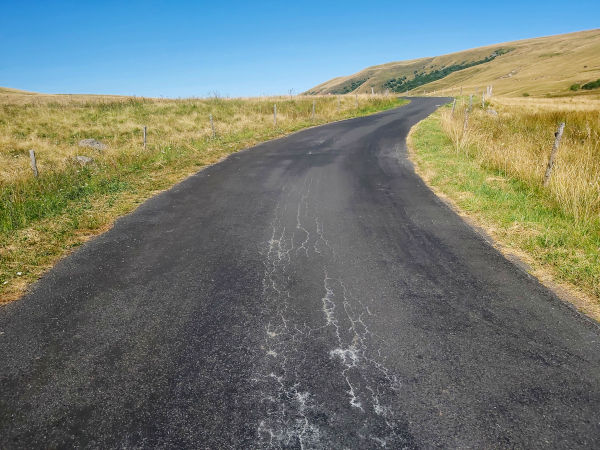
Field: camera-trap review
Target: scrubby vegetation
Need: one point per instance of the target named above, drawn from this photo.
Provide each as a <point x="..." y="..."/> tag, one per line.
<point x="591" y="85"/>
<point x="403" y="84"/>
<point x="350" y="87"/>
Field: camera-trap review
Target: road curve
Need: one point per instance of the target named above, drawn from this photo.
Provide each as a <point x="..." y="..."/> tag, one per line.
<point x="310" y="292"/>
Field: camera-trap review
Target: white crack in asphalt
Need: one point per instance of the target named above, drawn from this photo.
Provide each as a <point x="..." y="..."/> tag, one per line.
<point x="291" y="405"/>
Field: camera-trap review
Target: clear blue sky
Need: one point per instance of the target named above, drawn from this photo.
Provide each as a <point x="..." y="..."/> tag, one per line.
<point x="183" y="48"/>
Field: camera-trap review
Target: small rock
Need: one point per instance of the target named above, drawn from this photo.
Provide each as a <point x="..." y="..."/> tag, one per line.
<point x="492" y="112"/>
<point x="84" y="160"/>
<point x="92" y="143"/>
<point x="19" y="273"/>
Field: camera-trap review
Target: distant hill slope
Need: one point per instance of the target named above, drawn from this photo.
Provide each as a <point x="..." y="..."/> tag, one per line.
<point x="17" y="96"/>
<point x="4" y="90"/>
<point x="540" y="66"/>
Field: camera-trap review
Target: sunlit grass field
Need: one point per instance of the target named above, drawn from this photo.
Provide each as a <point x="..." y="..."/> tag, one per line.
<point x="518" y="142"/>
<point x="42" y="218"/>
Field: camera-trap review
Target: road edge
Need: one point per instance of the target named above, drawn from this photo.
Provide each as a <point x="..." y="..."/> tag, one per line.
<point x="82" y="237"/>
<point x="568" y="294"/>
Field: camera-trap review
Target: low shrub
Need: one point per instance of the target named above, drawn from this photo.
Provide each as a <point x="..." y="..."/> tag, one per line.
<point x="591" y="85"/>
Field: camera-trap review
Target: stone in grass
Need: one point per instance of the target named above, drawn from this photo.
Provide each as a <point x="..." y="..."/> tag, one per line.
<point x="84" y="160"/>
<point x="92" y="143"/>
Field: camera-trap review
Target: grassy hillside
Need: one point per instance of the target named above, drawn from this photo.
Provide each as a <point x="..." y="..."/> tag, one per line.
<point x="42" y="218"/>
<point x="546" y="66"/>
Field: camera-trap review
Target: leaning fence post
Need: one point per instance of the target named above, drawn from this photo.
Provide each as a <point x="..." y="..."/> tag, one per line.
<point x="144" y="138"/>
<point x="275" y="115"/>
<point x="453" y="106"/>
<point x="212" y="125"/>
<point x="557" y="137"/>
<point x="466" y="122"/>
<point x="33" y="163"/>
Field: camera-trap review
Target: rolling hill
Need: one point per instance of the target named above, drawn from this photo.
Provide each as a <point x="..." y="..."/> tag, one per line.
<point x="5" y="90"/>
<point x="546" y="66"/>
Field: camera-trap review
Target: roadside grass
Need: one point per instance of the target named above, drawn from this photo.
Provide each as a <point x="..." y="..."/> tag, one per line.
<point x="493" y="175"/>
<point x="42" y="219"/>
<point x="518" y="140"/>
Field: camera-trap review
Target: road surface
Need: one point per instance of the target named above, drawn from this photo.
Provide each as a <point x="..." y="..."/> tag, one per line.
<point x="310" y="292"/>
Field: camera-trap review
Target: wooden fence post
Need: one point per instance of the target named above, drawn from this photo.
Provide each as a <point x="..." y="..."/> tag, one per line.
<point x="471" y="102"/>
<point x="453" y="106"/>
<point x="466" y="122"/>
<point x="144" y="138"/>
<point x="372" y="91"/>
<point x="557" y="137"/>
<point x="275" y="115"/>
<point x="33" y="163"/>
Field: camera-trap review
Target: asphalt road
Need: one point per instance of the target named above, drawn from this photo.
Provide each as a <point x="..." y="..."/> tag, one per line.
<point x="310" y="292"/>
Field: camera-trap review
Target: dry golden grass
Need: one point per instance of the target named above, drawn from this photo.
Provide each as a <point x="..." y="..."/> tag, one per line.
<point x="42" y="219"/>
<point x="518" y="141"/>
<point x="54" y="124"/>
<point x="532" y="104"/>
